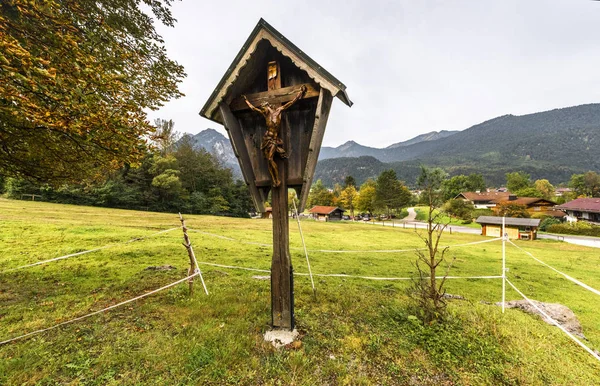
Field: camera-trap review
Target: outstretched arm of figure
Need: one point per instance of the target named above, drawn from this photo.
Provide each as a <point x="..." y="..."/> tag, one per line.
<point x="251" y="105"/>
<point x="298" y="96"/>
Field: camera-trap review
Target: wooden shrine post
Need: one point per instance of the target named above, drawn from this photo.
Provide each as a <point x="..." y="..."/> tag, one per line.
<point x="274" y="102"/>
<point x="282" y="273"/>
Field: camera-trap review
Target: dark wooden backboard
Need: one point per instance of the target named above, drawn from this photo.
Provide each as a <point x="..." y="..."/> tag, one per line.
<point x="303" y="124"/>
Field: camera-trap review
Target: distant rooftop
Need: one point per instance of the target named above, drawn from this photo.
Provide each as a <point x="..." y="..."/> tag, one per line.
<point x="324" y="209"/>
<point x="582" y="205"/>
<point x="494" y="220"/>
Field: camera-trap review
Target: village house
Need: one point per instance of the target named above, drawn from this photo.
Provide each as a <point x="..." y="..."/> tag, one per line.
<point x="483" y="200"/>
<point x="582" y="209"/>
<point x="516" y="228"/>
<point x="326" y="213"/>
<point x="491" y="200"/>
<point x="559" y="192"/>
<point x="534" y="205"/>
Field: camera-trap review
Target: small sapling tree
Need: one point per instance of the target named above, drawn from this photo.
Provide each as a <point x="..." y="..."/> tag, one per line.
<point x="427" y="290"/>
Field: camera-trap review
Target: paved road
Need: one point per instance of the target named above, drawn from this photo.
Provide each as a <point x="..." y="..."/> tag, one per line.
<point x="412" y="215"/>
<point x="579" y="240"/>
<point x="409" y="222"/>
<point x="422" y="225"/>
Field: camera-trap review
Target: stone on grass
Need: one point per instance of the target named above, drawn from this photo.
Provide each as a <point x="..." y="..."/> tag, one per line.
<point x="160" y="268"/>
<point x="257" y="277"/>
<point x="280" y="338"/>
<point x="562" y="314"/>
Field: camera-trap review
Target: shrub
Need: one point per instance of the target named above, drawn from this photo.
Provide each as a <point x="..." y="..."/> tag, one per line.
<point x="547" y="222"/>
<point x="482" y="212"/>
<point x="578" y="228"/>
<point x="421" y="214"/>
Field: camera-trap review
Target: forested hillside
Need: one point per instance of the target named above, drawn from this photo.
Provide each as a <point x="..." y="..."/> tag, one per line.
<point x="553" y="145"/>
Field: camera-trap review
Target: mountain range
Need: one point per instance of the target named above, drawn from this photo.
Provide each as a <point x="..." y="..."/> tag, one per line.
<point x="553" y="144"/>
<point x="218" y="145"/>
<point x="353" y="149"/>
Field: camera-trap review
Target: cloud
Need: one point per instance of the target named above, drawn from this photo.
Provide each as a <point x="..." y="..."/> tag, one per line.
<point x="410" y="66"/>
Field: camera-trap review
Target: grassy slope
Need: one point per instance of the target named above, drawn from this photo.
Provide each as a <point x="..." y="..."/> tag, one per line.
<point x="355" y="332"/>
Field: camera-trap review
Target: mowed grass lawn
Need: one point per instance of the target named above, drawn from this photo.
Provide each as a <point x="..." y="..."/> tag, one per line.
<point x="354" y="332"/>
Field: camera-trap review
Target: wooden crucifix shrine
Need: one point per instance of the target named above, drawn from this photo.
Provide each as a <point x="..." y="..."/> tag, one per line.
<point x="274" y="102"/>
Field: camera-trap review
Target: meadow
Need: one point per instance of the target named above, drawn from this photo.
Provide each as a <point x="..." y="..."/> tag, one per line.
<point x="354" y="331"/>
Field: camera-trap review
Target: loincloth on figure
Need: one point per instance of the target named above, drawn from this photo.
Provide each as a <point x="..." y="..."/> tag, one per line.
<point x="271" y="142"/>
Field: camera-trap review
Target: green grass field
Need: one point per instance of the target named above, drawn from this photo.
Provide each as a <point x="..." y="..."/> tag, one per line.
<point x="356" y="331"/>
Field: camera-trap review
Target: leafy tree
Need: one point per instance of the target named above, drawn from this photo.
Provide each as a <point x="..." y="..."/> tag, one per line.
<point x="349" y="181"/>
<point x="76" y="81"/>
<point x="337" y="191"/>
<point x="190" y="181"/>
<point x="529" y="192"/>
<point x="320" y="195"/>
<point x="510" y="209"/>
<point x="165" y="137"/>
<point x="461" y="183"/>
<point x="586" y="185"/>
<point x="459" y="208"/>
<point x="517" y="181"/>
<point x="349" y="199"/>
<point x="475" y="181"/>
<point x="216" y="202"/>
<point x="292" y="198"/>
<point x="547" y="222"/>
<point x="200" y="170"/>
<point x="161" y="164"/>
<point x="592" y="183"/>
<point x="390" y="194"/>
<point x="366" y="197"/>
<point x="428" y="292"/>
<point x="545" y="188"/>
<point x="168" y="182"/>
<point x="577" y="183"/>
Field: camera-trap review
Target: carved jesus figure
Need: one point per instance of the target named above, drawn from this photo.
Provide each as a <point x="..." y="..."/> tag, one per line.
<point x="271" y="143"/>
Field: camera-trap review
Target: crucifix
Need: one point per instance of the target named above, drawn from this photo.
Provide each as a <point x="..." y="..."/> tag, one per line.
<point x="295" y="108"/>
<point x="282" y="281"/>
<point x="272" y="143"/>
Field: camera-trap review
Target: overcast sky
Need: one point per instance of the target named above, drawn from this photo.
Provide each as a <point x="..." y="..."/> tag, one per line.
<point x="410" y="67"/>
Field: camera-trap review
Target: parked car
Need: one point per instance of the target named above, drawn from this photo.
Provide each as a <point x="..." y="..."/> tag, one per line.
<point x="345" y="217"/>
<point x="366" y="218"/>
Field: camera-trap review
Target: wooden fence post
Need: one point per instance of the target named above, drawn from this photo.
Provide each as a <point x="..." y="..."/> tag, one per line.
<point x="194" y="268"/>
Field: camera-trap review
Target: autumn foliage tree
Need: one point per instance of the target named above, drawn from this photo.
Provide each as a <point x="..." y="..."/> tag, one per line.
<point x="76" y="81"/>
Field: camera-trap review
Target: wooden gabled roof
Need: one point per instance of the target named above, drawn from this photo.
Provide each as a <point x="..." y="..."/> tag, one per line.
<point x="591" y="205"/>
<point x="527" y="201"/>
<point x="324" y="209"/>
<point x="483" y="196"/>
<point x="264" y="31"/>
<point x="512" y="221"/>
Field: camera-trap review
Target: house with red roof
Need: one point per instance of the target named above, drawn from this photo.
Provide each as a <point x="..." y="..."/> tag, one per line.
<point x="582" y="209"/>
<point x="535" y="205"/>
<point x="491" y="200"/>
<point x="483" y="200"/>
<point x="326" y="213"/>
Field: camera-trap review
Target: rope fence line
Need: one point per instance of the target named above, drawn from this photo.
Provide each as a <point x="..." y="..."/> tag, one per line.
<point x="99" y="311"/>
<point x="574" y="338"/>
<point x="342" y="251"/>
<point x="343" y="274"/>
<point x="579" y="283"/>
<point x="312" y="282"/>
<point x="88" y="251"/>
